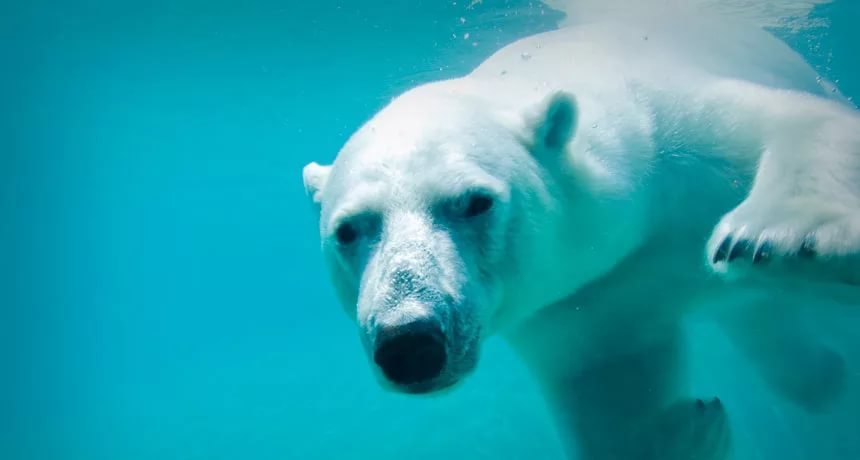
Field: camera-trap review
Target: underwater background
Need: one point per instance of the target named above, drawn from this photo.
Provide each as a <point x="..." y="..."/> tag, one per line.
<point x="163" y="294"/>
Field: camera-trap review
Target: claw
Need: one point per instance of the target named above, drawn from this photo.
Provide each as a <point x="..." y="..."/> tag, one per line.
<point x="723" y="250"/>
<point x="739" y="249"/>
<point x="807" y="248"/>
<point x="763" y="252"/>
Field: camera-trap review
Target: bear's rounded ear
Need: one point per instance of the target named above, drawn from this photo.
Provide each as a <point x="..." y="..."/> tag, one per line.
<point x="315" y="177"/>
<point x="554" y="122"/>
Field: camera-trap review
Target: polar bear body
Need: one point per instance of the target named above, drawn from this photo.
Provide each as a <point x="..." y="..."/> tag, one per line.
<point x="576" y="193"/>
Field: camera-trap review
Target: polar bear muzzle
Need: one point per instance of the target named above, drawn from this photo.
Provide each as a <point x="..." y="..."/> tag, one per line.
<point x="411" y="354"/>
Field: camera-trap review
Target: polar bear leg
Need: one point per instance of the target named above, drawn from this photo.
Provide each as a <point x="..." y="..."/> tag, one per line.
<point x="626" y="407"/>
<point x="694" y="429"/>
<point x="805" y="199"/>
<point x="795" y="363"/>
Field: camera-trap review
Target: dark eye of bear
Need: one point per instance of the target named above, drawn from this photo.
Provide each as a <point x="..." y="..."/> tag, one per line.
<point x="346" y="234"/>
<point x="478" y="204"/>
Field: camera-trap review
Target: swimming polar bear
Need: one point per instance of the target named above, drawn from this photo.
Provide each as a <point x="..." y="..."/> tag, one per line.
<point x="579" y="193"/>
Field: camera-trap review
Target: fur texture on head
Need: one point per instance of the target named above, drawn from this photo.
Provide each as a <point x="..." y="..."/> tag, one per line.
<point x="432" y="210"/>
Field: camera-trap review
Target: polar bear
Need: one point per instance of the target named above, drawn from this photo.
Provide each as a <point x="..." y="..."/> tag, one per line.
<point x="579" y="193"/>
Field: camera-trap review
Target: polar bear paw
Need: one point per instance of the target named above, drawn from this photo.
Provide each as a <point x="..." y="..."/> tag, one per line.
<point x="693" y="429"/>
<point x="799" y="230"/>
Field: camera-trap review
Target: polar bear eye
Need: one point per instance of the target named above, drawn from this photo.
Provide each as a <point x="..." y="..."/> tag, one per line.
<point x="346" y="234"/>
<point x="479" y="203"/>
<point x="349" y="230"/>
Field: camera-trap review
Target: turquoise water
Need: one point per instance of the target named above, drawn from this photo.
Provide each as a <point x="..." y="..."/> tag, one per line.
<point x="166" y="298"/>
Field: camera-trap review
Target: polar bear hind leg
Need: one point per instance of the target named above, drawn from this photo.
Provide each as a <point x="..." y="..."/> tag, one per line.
<point x="695" y="429"/>
<point x="628" y="407"/>
<point x="797" y="364"/>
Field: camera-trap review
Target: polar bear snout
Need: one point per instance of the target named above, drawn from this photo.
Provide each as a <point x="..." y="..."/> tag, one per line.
<point x="419" y="324"/>
<point x="411" y="354"/>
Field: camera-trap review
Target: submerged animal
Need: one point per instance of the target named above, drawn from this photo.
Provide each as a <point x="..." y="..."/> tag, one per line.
<point x="580" y="202"/>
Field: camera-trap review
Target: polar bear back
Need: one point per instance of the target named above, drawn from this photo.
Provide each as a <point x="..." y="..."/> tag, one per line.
<point x="665" y="53"/>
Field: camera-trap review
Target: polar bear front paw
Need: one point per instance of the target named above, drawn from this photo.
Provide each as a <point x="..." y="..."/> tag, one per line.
<point x="803" y="230"/>
<point x="692" y="429"/>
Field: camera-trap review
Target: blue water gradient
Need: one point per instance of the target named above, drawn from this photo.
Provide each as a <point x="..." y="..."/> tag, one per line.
<point x="163" y="296"/>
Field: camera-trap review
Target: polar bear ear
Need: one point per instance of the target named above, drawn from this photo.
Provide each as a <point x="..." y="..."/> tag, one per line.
<point x="315" y="177"/>
<point x="555" y="122"/>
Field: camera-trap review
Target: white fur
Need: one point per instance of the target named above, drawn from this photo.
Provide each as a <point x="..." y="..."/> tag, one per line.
<point x="613" y="151"/>
<point x="793" y="14"/>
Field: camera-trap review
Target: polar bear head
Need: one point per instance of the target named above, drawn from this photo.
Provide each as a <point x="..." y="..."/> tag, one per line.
<point x="438" y="221"/>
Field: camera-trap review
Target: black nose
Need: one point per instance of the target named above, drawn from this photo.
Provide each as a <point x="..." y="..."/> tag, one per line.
<point x="411" y="353"/>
